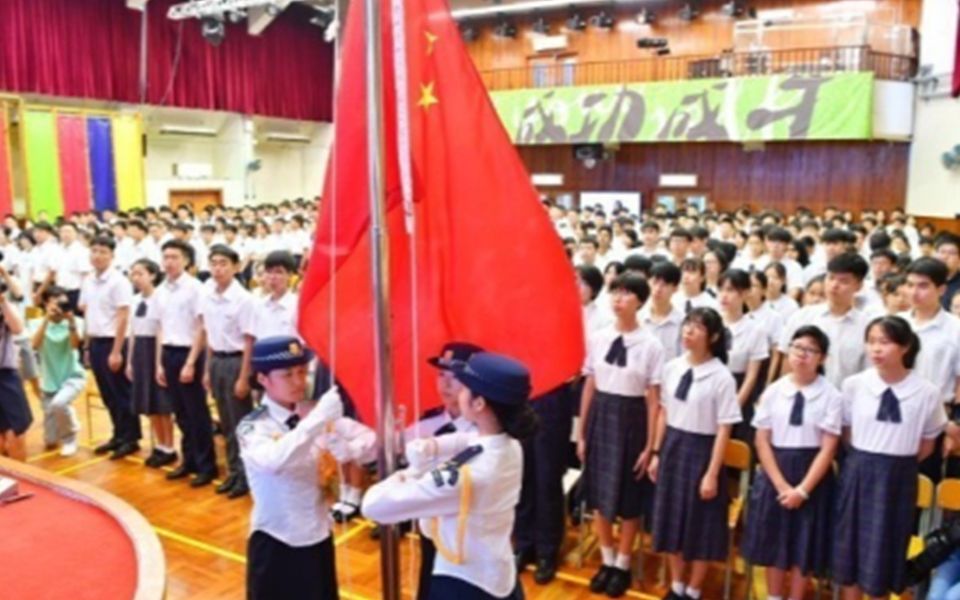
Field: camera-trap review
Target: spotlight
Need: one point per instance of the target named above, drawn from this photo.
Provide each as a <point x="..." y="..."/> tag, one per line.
<point x="602" y="20"/>
<point x="576" y="22"/>
<point x="468" y="33"/>
<point x="646" y="17"/>
<point x="540" y="25"/>
<point x="689" y="12"/>
<point x="505" y="29"/>
<point x="235" y="16"/>
<point x="213" y="30"/>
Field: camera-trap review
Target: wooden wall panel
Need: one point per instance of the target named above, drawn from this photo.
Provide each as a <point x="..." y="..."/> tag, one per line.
<point x="711" y="33"/>
<point x="850" y="175"/>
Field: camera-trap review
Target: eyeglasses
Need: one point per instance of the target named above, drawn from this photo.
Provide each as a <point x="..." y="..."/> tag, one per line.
<point x="804" y="351"/>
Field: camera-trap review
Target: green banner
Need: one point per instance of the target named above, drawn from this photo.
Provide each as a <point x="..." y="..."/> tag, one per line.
<point x="42" y="162"/>
<point x="743" y="109"/>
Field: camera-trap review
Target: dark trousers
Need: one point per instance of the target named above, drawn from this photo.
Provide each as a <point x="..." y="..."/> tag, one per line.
<point x="276" y="570"/>
<point x="428" y="553"/>
<point x="189" y="401"/>
<point x="115" y="391"/>
<point x="224" y="372"/>
<point x="540" y="515"/>
<point x="444" y="587"/>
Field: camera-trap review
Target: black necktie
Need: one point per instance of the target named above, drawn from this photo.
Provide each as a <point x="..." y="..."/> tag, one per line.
<point x="796" y="414"/>
<point x="141" y="309"/>
<point x="446" y="428"/>
<point x="292" y="421"/>
<point x="889" y="407"/>
<point x="683" y="388"/>
<point x="617" y="354"/>
<point x="687" y="307"/>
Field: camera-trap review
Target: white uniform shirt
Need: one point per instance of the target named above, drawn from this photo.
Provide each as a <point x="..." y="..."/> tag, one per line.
<point x="703" y="299"/>
<point x="711" y="401"/>
<point x="749" y="342"/>
<point x="146" y="324"/>
<point x="433" y="421"/>
<point x="770" y="321"/>
<point x="666" y="330"/>
<point x="921" y="412"/>
<point x="644" y="362"/>
<point x="846" y="356"/>
<point x="227" y="316"/>
<point x="744" y="262"/>
<point x="485" y="550"/>
<point x="147" y="248"/>
<point x="101" y="297"/>
<point x="939" y="359"/>
<point x="72" y="266"/>
<point x="275" y="317"/>
<point x="178" y="308"/>
<point x="785" y="305"/>
<point x="47" y="256"/>
<point x="794" y="273"/>
<point x="125" y="254"/>
<point x="822" y="412"/>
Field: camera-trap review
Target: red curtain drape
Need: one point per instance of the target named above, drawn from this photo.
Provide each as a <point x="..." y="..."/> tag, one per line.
<point x="74" y="171"/>
<point x="90" y="49"/>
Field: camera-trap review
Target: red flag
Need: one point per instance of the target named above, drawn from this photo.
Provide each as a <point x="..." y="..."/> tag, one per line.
<point x="490" y="268"/>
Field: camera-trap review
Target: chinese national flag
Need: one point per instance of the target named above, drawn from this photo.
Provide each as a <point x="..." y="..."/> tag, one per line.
<point x="490" y="268"/>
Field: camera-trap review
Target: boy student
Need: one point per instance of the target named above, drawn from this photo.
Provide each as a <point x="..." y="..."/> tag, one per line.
<point x="650" y="235"/>
<point x="679" y="245"/>
<point x="948" y="250"/>
<point x="659" y="316"/>
<point x="105" y="301"/>
<point x="181" y="362"/>
<point x="778" y="241"/>
<point x="837" y="317"/>
<point x="226" y="313"/>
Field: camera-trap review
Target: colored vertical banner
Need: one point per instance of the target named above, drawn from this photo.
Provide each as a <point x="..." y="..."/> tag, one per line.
<point x="41" y="159"/>
<point x="128" y="159"/>
<point x="6" y="171"/>
<point x="102" y="177"/>
<point x="74" y="170"/>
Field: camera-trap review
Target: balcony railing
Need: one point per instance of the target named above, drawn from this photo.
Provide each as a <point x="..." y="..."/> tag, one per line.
<point x="806" y="61"/>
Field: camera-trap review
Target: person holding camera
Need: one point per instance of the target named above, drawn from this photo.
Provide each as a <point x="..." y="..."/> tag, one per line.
<point x="57" y="339"/>
<point x="15" y="416"/>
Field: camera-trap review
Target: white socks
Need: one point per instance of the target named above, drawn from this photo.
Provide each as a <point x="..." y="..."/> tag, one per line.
<point x="609" y="556"/>
<point x="166" y="449"/>
<point x="350" y="495"/>
<point x="677" y="588"/>
<point x="623" y="562"/>
<point x="692" y="593"/>
<point x="774" y="597"/>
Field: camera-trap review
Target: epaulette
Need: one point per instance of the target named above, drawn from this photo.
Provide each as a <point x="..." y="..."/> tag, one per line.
<point x="255" y="413"/>
<point x="451" y="468"/>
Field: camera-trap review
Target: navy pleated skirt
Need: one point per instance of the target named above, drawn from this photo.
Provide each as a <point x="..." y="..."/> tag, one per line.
<point x="875" y="516"/>
<point x="777" y="537"/>
<point x="616" y="434"/>
<point x="683" y="523"/>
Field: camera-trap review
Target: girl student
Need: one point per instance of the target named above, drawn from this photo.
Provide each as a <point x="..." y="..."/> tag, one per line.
<point x="777" y="296"/>
<point x="618" y="411"/>
<point x="798" y="423"/>
<point x="142" y="363"/>
<point x="891" y="418"/>
<point x="699" y="408"/>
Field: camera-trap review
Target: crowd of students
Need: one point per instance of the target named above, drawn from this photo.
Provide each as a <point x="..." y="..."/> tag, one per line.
<point x="816" y="339"/>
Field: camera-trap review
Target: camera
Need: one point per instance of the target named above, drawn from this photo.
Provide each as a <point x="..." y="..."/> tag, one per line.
<point x="3" y="282"/>
<point x="64" y="305"/>
<point x="938" y="545"/>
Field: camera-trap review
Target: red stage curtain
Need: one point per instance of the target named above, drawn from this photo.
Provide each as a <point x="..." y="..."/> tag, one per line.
<point x="74" y="172"/>
<point x="90" y="49"/>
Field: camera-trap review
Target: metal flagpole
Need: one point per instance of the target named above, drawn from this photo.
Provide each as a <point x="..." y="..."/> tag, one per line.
<point x="379" y="262"/>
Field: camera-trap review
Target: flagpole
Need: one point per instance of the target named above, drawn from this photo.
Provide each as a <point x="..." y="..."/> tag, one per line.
<point x="380" y="265"/>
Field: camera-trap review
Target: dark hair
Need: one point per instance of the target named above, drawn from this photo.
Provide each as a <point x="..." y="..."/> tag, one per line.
<point x="781" y="273"/>
<point x="680" y="232"/>
<point x="886" y="253"/>
<point x="695" y="265"/>
<point x="635" y="284"/>
<point x="879" y="240"/>
<point x="850" y="263"/>
<point x="899" y="331"/>
<point x="152" y="268"/>
<point x="591" y="240"/>
<point x="803" y="255"/>
<point x="721" y="258"/>
<point x="280" y="258"/>
<point x="591" y="276"/>
<point x="699" y="232"/>
<point x="650" y="225"/>
<point x="818" y="336"/>
<point x="761" y="278"/>
<point x="713" y="323"/>
<point x="184" y="248"/>
<point x="666" y="272"/>
<point x="225" y="251"/>
<point x="779" y="234"/>
<point x="636" y="262"/>
<point x="519" y="421"/>
<point x="932" y="268"/>
<point x="616" y="265"/>
<point x="836" y="236"/>
<point x="737" y="278"/>
<point x="891" y="282"/>
<point x="104" y="242"/>
<point x="51" y="292"/>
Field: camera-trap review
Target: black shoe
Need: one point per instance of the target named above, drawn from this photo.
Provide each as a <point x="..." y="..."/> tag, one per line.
<point x="164" y="458"/>
<point x="375" y="532"/>
<point x="347" y="512"/>
<point x="125" y="449"/>
<point x="619" y="582"/>
<point x="239" y="490"/>
<point x="107" y="447"/>
<point x="227" y="484"/>
<point x="202" y="479"/>
<point x="598" y="583"/>
<point x="180" y="472"/>
<point x="672" y="596"/>
<point x="524" y="558"/>
<point x="152" y="459"/>
<point x="546" y="571"/>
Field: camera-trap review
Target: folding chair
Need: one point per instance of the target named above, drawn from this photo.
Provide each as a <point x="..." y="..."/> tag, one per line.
<point x="739" y="457"/>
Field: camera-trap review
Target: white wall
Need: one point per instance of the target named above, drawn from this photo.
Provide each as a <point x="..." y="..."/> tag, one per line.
<point x="932" y="190"/>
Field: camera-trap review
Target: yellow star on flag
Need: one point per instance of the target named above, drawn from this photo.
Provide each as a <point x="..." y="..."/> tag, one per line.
<point x="427" y="97"/>
<point x="431" y="40"/>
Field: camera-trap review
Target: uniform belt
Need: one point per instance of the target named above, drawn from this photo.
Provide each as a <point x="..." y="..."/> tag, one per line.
<point x="227" y="354"/>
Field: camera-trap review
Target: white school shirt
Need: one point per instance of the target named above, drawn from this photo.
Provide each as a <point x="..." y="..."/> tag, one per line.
<point x="436" y="498"/>
<point x="275" y="317"/>
<point x="748" y="263"/>
<point x="785" y="305"/>
<point x="125" y="254"/>
<point x="703" y="299"/>
<point x="794" y="273"/>
<point x="72" y="266"/>
<point x="644" y="362"/>
<point x="101" y="297"/>
<point x="813" y="270"/>
<point x="147" y="248"/>
<point x="939" y="359"/>
<point x="711" y="401"/>
<point x="667" y="329"/>
<point x="145" y="325"/>
<point x="822" y="412"/>
<point x="846" y="334"/>
<point x="227" y="317"/>
<point x="178" y="308"/>
<point x="770" y="321"/>
<point x="47" y="256"/>
<point x="749" y="342"/>
<point x="921" y="411"/>
<point x="432" y="421"/>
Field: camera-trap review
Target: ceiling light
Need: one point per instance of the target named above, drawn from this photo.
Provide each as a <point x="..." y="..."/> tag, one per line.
<point x="213" y="30"/>
<point x="602" y="20"/>
<point x="541" y="26"/>
<point x="187" y="130"/>
<point x="576" y="22"/>
<point x="505" y="29"/>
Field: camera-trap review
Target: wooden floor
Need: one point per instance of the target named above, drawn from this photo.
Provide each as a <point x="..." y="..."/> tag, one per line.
<point x="204" y="535"/>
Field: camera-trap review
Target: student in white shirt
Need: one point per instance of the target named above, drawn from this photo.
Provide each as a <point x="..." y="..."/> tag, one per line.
<point x="789" y="517"/>
<point x="678" y="245"/>
<point x="699" y="409"/>
<point x="692" y="293"/>
<point x="650" y="234"/>
<point x="659" y="316"/>
<point x="771" y="322"/>
<point x="72" y="264"/>
<point x="779" y="241"/>
<point x="777" y="296"/>
<point x="754" y="256"/>
<point x="618" y="412"/>
<point x="892" y="418"/>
